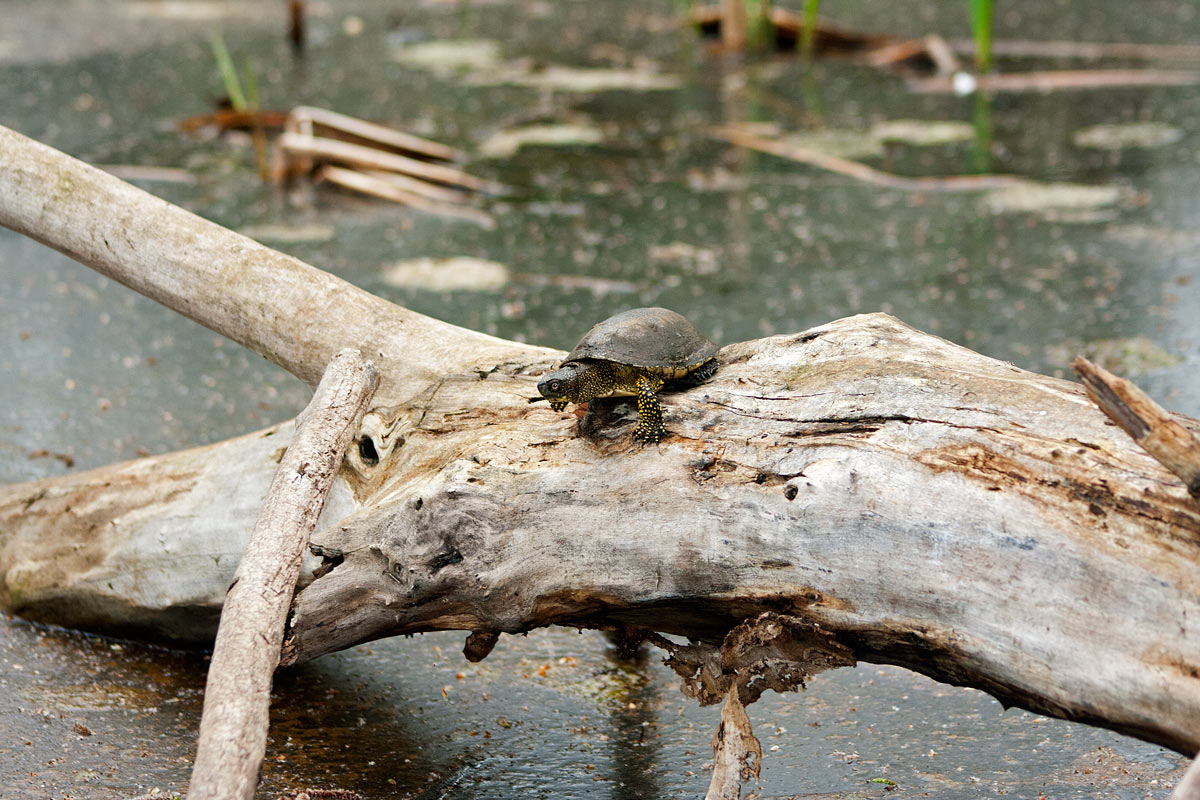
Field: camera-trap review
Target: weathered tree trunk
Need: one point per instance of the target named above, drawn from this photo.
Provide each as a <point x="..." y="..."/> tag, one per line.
<point x="932" y="507"/>
<point x="876" y="491"/>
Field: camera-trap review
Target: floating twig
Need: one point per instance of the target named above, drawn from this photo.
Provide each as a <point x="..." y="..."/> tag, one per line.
<point x="432" y="191"/>
<point x="229" y="119"/>
<point x="880" y="49"/>
<point x="1059" y="80"/>
<point x="386" y="188"/>
<point x="853" y="169"/>
<point x="380" y="161"/>
<point x="932" y="48"/>
<point x="347" y="128"/>
<point x="789" y="28"/>
<point x="1096" y="51"/>
<point x="321" y="148"/>
<point x="942" y="55"/>
<point x="897" y="52"/>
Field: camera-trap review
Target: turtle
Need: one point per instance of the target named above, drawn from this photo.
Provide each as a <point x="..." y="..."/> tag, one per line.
<point x="634" y="353"/>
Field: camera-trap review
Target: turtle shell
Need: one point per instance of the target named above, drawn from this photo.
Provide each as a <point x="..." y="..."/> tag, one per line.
<point x="651" y="338"/>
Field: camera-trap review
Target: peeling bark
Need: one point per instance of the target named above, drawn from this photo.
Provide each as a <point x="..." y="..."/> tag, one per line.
<point x="771" y="652"/>
<point x="903" y="499"/>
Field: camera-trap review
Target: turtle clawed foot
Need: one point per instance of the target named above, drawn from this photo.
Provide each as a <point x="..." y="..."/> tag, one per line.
<point x="649" y="435"/>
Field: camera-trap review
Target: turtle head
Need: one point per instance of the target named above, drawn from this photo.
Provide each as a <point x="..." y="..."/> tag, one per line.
<point x="570" y="383"/>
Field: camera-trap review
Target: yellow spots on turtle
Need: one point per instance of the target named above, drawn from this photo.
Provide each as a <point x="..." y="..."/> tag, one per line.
<point x="596" y="382"/>
<point x="650" y="426"/>
<point x="633" y="353"/>
<point x="582" y="381"/>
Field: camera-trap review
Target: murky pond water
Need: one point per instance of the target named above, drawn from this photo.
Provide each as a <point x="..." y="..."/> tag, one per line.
<point x="644" y="208"/>
<point x="549" y="715"/>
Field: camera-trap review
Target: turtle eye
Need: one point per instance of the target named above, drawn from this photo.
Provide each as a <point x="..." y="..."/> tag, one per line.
<point x="555" y="385"/>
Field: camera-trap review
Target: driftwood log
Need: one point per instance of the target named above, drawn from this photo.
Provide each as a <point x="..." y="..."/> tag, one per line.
<point x="858" y="491"/>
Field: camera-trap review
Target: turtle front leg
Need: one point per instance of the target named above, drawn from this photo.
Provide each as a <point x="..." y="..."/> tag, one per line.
<point x="650" y="417"/>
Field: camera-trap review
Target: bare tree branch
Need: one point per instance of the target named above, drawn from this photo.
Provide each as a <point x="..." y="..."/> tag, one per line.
<point x="737" y="753"/>
<point x="233" y="728"/>
<point x="278" y="306"/>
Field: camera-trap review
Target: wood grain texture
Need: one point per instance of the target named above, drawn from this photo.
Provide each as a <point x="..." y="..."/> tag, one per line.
<point x="737" y="753"/>
<point x="928" y="506"/>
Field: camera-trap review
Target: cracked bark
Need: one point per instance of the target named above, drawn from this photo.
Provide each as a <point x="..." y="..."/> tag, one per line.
<point x="918" y="503"/>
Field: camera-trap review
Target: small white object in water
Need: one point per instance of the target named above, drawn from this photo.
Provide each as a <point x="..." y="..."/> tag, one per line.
<point x="964" y="83"/>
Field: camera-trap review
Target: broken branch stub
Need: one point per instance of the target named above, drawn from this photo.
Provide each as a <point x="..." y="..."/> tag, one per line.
<point x="773" y="651"/>
<point x="737" y="753"/>
<point x="479" y="645"/>
<point x="1146" y="422"/>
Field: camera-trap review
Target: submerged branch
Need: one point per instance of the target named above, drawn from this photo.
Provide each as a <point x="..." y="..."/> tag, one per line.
<point x="1061" y="80"/>
<point x="858" y="171"/>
